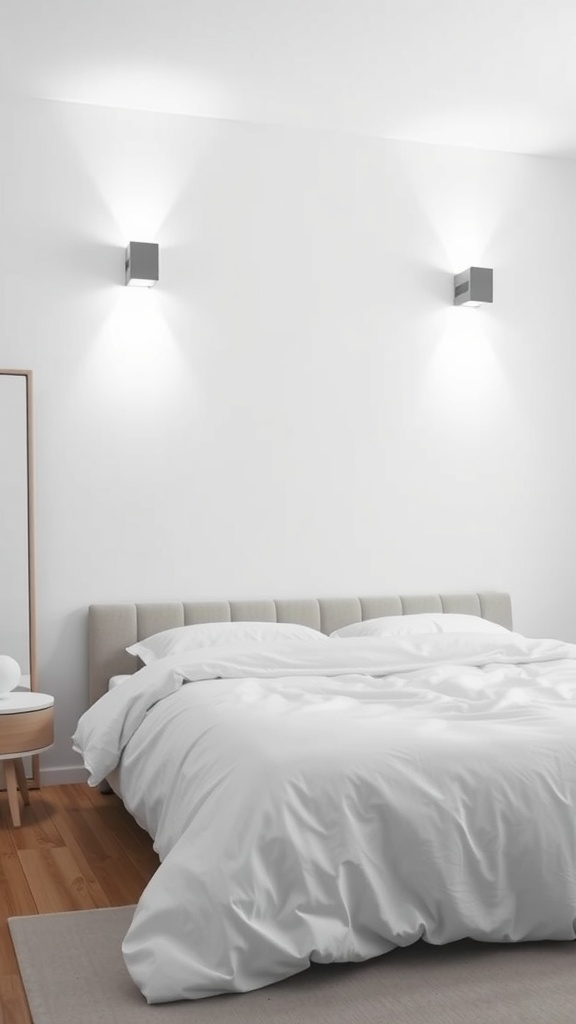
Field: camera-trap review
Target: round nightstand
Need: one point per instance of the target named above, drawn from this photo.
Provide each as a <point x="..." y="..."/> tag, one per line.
<point x="26" y="727"/>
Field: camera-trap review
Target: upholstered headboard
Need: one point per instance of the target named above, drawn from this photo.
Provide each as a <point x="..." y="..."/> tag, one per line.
<point x="114" y="627"/>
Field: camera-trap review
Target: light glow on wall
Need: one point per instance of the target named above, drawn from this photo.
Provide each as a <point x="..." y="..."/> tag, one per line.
<point x="138" y="163"/>
<point x="135" y="366"/>
<point x="464" y="376"/>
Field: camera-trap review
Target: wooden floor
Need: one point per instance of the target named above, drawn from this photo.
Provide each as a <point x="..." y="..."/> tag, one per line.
<point x="76" y="850"/>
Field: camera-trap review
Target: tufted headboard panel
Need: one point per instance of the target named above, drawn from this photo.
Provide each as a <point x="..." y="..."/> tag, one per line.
<point x="114" y="627"/>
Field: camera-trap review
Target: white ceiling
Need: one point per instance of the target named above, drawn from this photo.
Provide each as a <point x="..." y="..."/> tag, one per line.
<point x="494" y="74"/>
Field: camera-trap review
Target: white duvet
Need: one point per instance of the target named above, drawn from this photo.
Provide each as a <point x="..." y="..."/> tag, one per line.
<point x="322" y="802"/>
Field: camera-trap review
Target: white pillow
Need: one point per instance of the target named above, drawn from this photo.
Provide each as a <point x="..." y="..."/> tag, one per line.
<point x="209" y="634"/>
<point x="423" y="622"/>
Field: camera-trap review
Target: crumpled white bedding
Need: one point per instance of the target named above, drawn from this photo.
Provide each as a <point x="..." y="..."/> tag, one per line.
<point x="331" y="804"/>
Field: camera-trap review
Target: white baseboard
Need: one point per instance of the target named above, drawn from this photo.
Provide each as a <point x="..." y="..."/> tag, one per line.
<point x="61" y="776"/>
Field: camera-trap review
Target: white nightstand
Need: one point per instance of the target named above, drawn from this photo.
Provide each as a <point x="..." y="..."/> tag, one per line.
<point x="26" y="727"/>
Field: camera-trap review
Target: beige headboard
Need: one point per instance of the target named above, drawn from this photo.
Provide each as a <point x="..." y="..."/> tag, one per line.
<point x="113" y="627"/>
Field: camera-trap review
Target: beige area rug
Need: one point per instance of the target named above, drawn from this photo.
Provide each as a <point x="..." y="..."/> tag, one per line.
<point x="73" y="972"/>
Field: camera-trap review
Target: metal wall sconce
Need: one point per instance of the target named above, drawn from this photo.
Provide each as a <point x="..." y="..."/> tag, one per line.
<point x="473" y="286"/>
<point x="142" y="262"/>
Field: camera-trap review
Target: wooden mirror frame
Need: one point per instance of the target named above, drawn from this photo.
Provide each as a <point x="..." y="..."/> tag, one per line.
<point x="34" y="780"/>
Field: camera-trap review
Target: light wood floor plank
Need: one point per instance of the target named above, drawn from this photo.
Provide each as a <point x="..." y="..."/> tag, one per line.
<point x="101" y="855"/>
<point x="134" y="840"/>
<point x="135" y="843"/>
<point x="6" y="843"/>
<point x="15" y="901"/>
<point x="76" y="849"/>
<point x="56" y="880"/>
<point x="39" y="830"/>
<point x="13" y="1004"/>
<point x="15" y="894"/>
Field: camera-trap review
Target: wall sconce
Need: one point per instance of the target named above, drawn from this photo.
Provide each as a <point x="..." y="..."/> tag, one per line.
<point x="142" y="264"/>
<point x="473" y="286"/>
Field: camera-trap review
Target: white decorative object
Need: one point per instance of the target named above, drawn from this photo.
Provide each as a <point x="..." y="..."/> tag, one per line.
<point x="9" y="673"/>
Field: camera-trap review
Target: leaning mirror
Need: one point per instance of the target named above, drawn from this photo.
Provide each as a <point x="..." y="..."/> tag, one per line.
<point x="17" y="606"/>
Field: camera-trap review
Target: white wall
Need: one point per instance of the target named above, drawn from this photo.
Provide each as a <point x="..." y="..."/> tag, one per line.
<point x="297" y="408"/>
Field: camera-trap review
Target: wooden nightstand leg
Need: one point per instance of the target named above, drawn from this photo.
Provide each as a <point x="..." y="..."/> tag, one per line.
<point x="21" y="779"/>
<point x="13" y="803"/>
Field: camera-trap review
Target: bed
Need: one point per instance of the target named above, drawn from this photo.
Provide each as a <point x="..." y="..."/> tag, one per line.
<point x="317" y="797"/>
<point x="112" y="628"/>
